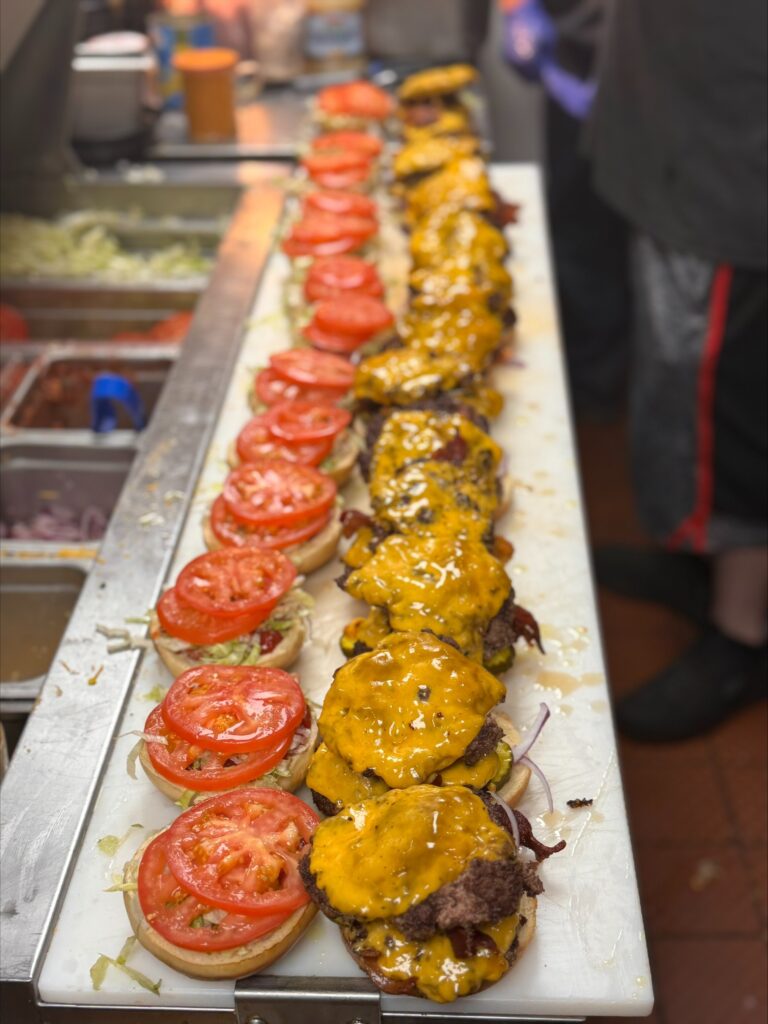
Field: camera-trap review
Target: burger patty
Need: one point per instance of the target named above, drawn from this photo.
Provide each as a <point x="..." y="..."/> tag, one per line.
<point x="511" y="624"/>
<point x="486" y="891"/>
<point x="485" y="741"/>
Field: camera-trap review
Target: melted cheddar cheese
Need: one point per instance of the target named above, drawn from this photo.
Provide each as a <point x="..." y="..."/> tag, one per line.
<point x="479" y="340"/>
<point x="378" y="858"/>
<point x="452" y="586"/>
<point x="359" y="551"/>
<point x="369" y="631"/>
<point x="450" y="122"/>
<point x="402" y="376"/>
<point x="461" y="184"/>
<point x="483" y="282"/>
<point x="477" y="775"/>
<point x="410" y="491"/>
<point x="408" y="709"/>
<point x="331" y="776"/>
<point x="427" y="496"/>
<point x="463" y="236"/>
<point x="438" y="81"/>
<point x="414" y="434"/>
<point x="429" y="155"/>
<point x="439" y="974"/>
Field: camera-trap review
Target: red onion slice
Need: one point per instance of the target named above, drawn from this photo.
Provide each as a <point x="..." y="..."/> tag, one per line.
<point x="542" y="779"/>
<point x="522" y="748"/>
<point x="510" y="815"/>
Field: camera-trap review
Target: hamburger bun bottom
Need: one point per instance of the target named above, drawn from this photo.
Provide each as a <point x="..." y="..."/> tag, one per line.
<point x="409" y="987"/>
<point x="286" y="652"/>
<point x="296" y="768"/>
<point x="308" y="556"/>
<point x="229" y="963"/>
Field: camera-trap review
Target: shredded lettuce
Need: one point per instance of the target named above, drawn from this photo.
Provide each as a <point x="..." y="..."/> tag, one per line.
<point x="186" y="799"/>
<point x="87" y="248"/>
<point x="99" y="969"/>
<point x="156" y="694"/>
<point x="123" y="887"/>
<point x="233" y="652"/>
<point x="111" y="844"/>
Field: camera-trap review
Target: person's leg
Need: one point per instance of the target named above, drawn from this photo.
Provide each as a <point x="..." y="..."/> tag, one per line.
<point x="699" y="457"/>
<point x="740" y="594"/>
<point x="590" y="248"/>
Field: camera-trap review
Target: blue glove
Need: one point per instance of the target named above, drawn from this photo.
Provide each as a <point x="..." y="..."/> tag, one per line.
<point x="530" y="38"/>
<point x="107" y="389"/>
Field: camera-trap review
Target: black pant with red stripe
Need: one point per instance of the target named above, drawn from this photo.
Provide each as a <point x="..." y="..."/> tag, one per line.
<point x="698" y="402"/>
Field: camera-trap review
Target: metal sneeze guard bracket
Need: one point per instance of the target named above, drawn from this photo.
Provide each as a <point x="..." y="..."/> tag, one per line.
<point x="270" y="1000"/>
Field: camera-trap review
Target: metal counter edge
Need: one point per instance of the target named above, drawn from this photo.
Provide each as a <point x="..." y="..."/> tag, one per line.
<point x="55" y="774"/>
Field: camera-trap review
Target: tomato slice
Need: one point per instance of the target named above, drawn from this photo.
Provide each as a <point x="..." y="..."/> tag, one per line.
<point x="183" y="919"/>
<point x="234" y="708"/>
<point x="232" y="533"/>
<point x="328" y="341"/>
<point x="206" y="771"/>
<point x="341" y="202"/>
<point x="341" y="179"/>
<point x="336" y="162"/>
<point x="272" y="491"/>
<point x="186" y="623"/>
<point x="356" y="99"/>
<point x="236" y="581"/>
<point x="336" y="247"/>
<point x="298" y="422"/>
<point x="357" y="142"/>
<point x="331" y="277"/>
<point x="271" y="388"/>
<point x="257" y="441"/>
<point x="317" y="228"/>
<point x="240" y="850"/>
<point x="353" y="315"/>
<point x="303" y="366"/>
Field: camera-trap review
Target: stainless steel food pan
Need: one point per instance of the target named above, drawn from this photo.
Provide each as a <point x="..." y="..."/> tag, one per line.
<point x="36" y="601"/>
<point x="92" y="313"/>
<point x="35" y="478"/>
<point x="55" y="392"/>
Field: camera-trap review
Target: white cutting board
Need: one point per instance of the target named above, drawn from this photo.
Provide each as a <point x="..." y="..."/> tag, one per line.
<point x="589" y="955"/>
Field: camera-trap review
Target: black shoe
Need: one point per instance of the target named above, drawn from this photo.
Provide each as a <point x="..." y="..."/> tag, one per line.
<point x="678" y="581"/>
<point x="711" y="681"/>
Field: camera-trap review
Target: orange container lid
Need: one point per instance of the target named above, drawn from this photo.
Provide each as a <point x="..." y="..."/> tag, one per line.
<point x="206" y="60"/>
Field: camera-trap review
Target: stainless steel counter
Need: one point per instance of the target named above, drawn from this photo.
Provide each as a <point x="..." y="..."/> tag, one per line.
<point x="49" y="788"/>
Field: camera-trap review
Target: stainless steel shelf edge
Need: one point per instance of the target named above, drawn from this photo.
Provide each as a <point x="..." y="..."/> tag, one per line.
<point x="52" y="781"/>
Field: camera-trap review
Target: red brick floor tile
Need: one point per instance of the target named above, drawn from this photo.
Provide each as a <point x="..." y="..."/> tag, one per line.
<point x="696" y="891"/>
<point x="756" y="859"/>
<point x="674" y="795"/>
<point x="747" y="792"/>
<point x="743" y="739"/>
<point x="711" y="981"/>
<point x="641" y="640"/>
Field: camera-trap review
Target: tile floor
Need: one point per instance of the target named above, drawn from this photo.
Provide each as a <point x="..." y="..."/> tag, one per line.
<point x="698" y="810"/>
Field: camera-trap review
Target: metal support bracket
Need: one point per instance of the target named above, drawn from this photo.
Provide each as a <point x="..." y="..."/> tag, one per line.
<point x="267" y="1000"/>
